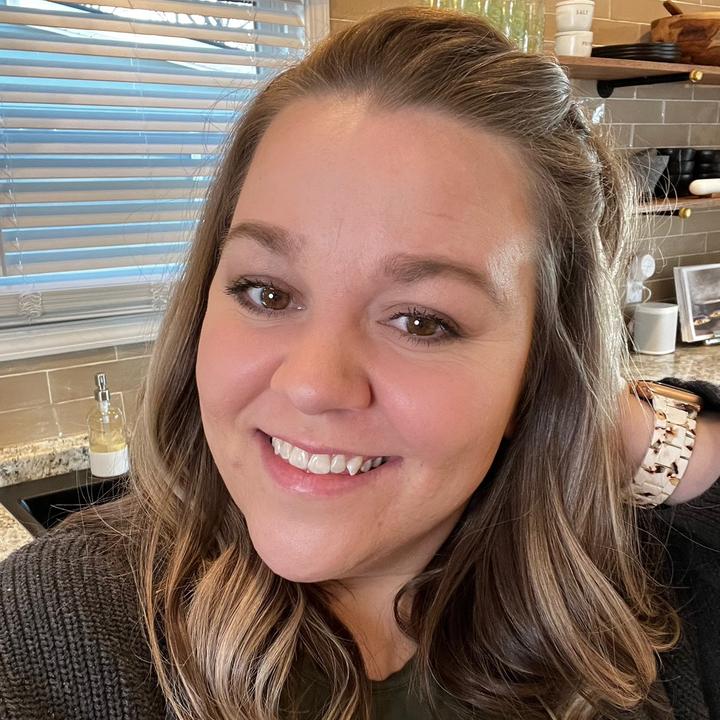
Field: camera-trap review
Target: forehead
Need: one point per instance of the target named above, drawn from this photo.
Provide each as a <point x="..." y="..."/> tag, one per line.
<point x="358" y="180"/>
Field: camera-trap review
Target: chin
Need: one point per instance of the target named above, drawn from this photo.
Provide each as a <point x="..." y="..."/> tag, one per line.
<point x="296" y="561"/>
<point x="299" y="573"/>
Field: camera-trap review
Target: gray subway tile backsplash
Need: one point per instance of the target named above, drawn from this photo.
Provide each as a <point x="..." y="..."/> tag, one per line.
<point x="44" y="397"/>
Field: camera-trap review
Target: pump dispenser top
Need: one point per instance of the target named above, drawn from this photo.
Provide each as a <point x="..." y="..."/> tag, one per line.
<point x="107" y="434"/>
<point x="102" y="394"/>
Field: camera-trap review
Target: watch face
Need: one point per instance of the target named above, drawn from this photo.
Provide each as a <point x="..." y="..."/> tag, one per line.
<point x="647" y="388"/>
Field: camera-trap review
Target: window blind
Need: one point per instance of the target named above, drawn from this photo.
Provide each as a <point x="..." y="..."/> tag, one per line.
<point x="111" y="118"/>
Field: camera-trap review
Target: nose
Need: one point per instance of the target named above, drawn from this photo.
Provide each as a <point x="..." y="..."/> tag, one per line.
<point x="322" y="371"/>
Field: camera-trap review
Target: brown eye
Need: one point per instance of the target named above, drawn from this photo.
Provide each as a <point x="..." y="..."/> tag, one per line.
<point x="272" y="298"/>
<point x="423" y="326"/>
<point x="260" y="297"/>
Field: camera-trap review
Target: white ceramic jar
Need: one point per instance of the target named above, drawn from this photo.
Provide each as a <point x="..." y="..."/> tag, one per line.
<point x="655" y="328"/>
<point x="574" y="15"/>
<point x="577" y="42"/>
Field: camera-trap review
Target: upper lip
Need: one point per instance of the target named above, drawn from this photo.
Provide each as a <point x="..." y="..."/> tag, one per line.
<point x="316" y="449"/>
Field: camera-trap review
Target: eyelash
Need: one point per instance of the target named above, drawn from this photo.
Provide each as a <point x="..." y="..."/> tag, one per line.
<point x="239" y="287"/>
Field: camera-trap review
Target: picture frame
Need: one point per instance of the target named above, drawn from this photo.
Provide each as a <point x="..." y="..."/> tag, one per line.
<point x="697" y="290"/>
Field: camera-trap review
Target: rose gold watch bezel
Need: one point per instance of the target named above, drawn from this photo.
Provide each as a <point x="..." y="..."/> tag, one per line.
<point x="645" y="388"/>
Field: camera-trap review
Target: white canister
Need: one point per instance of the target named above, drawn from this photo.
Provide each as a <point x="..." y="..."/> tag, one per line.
<point x="577" y="42"/>
<point x="574" y="15"/>
<point x="655" y="328"/>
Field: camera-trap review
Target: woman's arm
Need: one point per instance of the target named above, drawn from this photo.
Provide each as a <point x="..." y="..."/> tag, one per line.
<point x="704" y="467"/>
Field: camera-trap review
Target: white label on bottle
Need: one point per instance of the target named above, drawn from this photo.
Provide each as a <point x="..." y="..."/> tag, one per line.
<point x="109" y="464"/>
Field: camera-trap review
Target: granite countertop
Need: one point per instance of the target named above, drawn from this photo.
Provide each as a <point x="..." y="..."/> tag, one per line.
<point x="22" y="463"/>
<point x="43" y="458"/>
<point x="690" y="362"/>
<point x="56" y="456"/>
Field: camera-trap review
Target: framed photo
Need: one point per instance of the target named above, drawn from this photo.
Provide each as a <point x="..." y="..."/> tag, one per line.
<point x="698" y="295"/>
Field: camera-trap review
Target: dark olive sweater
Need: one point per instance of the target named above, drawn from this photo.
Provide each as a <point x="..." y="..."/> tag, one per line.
<point x="72" y="648"/>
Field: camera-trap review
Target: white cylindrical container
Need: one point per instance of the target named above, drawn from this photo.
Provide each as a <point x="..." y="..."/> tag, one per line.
<point x="655" y="328"/>
<point x="577" y="42"/>
<point x="574" y="15"/>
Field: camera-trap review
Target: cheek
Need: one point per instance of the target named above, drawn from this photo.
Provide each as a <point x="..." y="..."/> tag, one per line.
<point x="454" y="415"/>
<point x="231" y="366"/>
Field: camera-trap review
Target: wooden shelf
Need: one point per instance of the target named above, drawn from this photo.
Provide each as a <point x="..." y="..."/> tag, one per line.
<point x="609" y="69"/>
<point x="596" y="68"/>
<point x="672" y="204"/>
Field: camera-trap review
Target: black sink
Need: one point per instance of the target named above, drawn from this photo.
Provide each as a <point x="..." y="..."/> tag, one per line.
<point x="41" y="504"/>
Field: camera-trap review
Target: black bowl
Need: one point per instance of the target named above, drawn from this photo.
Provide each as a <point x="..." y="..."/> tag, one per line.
<point x="678" y="154"/>
<point x="707" y="155"/>
<point x="681" y="168"/>
<point x="707" y="167"/>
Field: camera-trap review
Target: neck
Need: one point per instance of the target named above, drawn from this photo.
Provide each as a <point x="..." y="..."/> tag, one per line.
<point x="364" y="602"/>
<point x="368" y="614"/>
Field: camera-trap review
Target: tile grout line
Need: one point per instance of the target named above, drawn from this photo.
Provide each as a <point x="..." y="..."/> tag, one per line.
<point x="47" y="406"/>
<point x="71" y="367"/>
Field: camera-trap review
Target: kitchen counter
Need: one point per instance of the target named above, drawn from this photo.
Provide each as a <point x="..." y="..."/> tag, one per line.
<point x="12" y="534"/>
<point x="55" y="456"/>
<point x="690" y="362"/>
<point x="43" y="458"/>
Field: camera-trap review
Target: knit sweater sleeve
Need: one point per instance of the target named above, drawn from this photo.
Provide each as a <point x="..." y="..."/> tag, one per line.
<point x="697" y="519"/>
<point x="70" y="641"/>
<point x="689" y="533"/>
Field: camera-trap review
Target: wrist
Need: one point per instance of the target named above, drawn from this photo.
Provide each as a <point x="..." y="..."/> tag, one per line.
<point x="703" y="470"/>
<point x="670" y="450"/>
<point x="637" y="420"/>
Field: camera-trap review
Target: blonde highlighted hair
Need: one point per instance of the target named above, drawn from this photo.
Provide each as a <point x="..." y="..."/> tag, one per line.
<point x="539" y="604"/>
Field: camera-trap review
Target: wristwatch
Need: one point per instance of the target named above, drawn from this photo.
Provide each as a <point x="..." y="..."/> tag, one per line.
<point x="672" y="441"/>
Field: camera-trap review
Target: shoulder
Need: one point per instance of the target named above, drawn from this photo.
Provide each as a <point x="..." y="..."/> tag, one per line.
<point x="66" y="571"/>
<point x="71" y="638"/>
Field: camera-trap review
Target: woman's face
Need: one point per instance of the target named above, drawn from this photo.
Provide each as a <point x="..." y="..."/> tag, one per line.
<point x="389" y="314"/>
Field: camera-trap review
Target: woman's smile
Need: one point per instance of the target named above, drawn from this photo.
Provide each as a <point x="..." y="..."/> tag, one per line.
<point x="306" y="482"/>
<point x="322" y="462"/>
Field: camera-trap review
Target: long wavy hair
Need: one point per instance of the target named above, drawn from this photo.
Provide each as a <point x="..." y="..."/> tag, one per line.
<point x="541" y="602"/>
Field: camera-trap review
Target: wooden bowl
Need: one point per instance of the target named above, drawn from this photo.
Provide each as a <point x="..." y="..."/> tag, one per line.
<point x="697" y="34"/>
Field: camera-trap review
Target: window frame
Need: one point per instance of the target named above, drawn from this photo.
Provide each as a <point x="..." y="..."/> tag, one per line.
<point x="27" y="341"/>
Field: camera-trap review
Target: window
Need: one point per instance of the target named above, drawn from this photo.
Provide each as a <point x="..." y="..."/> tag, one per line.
<point x="111" y="117"/>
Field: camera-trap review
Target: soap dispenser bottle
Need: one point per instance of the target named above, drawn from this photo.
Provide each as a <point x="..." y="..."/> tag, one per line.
<point x="107" y="434"/>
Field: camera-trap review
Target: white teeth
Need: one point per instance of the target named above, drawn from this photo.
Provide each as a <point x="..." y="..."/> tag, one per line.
<point x="338" y="464"/>
<point x="299" y="458"/>
<point x="319" y="464"/>
<point x="353" y="465"/>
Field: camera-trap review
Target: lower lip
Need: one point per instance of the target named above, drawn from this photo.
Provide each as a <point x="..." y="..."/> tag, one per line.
<point x="299" y="481"/>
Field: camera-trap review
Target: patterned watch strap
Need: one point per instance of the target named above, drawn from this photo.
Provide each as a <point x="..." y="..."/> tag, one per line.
<point x="672" y="444"/>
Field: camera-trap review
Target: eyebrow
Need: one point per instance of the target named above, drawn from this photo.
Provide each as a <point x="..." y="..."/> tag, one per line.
<point x="274" y="238"/>
<point x="404" y="268"/>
